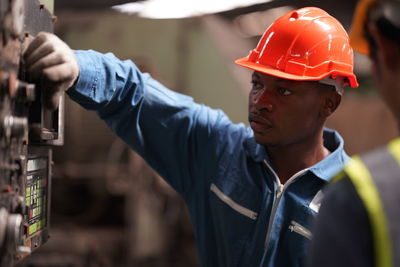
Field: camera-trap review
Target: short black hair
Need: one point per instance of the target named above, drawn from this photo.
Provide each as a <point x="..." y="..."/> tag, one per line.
<point x="385" y="15"/>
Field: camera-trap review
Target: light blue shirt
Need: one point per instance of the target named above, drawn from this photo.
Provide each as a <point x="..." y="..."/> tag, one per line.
<point x="241" y="215"/>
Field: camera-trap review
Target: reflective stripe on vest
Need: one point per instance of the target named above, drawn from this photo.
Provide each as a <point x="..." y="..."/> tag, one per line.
<point x="376" y="178"/>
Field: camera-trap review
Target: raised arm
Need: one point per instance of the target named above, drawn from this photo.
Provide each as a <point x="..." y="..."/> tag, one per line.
<point x="179" y="138"/>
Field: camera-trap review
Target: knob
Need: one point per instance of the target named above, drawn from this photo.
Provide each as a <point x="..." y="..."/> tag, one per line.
<point x="3" y="227"/>
<point x="14" y="232"/>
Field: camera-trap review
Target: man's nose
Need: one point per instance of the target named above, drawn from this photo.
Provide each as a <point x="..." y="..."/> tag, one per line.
<point x="264" y="100"/>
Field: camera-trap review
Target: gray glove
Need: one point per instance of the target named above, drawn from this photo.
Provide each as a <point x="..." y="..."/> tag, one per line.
<point x="50" y="62"/>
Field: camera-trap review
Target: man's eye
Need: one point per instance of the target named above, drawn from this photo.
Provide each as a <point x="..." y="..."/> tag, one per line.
<point x="284" y="91"/>
<point x="255" y="85"/>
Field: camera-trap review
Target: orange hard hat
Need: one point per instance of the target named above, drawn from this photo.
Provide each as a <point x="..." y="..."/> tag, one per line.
<point x="357" y="36"/>
<point x="305" y="45"/>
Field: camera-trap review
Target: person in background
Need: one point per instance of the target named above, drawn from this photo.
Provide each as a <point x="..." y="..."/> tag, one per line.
<point x="359" y="220"/>
<point x="251" y="191"/>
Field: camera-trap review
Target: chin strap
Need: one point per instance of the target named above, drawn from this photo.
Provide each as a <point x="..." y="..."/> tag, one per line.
<point x="338" y="83"/>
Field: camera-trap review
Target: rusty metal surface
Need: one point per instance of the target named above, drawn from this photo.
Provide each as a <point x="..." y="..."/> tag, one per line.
<point x="38" y="18"/>
<point x="25" y="164"/>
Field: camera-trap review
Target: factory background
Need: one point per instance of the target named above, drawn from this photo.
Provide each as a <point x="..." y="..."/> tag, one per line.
<point x="108" y="207"/>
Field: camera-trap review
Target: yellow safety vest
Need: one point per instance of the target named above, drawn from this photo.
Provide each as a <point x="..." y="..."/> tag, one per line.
<point x="376" y="178"/>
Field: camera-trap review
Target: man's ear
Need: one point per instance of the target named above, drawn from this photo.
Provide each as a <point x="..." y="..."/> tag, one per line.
<point x="331" y="101"/>
<point x="387" y="50"/>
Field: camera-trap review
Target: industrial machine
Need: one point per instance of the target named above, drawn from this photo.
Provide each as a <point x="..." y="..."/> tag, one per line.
<point x="27" y="133"/>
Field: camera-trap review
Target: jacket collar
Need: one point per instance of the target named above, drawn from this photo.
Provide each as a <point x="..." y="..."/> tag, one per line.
<point x="325" y="169"/>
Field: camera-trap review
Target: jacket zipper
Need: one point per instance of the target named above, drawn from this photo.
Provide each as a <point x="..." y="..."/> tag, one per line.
<point x="280" y="191"/>
<point x="300" y="229"/>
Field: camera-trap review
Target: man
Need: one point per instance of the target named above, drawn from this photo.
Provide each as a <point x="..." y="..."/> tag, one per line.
<point x="359" y="221"/>
<point x="250" y="191"/>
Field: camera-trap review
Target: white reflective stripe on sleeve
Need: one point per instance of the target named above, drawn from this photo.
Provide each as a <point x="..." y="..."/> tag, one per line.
<point x="242" y="210"/>
<point x="316" y="202"/>
<point x="300" y="229"/>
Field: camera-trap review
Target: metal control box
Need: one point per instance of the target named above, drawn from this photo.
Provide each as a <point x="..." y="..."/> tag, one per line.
<point x="27" y="133"/>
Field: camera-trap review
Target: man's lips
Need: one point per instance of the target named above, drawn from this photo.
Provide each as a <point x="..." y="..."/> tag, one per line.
<point x="259" y="120"/>
<point x="258" y="123"/>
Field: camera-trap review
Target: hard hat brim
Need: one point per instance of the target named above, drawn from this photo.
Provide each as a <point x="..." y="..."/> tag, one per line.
<point x="244" y="62"/>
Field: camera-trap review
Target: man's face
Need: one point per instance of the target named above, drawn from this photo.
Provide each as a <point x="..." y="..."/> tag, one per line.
<point x="386" y="69"/>
<point x="284" y="112"/>
<point x="387" y="82"/>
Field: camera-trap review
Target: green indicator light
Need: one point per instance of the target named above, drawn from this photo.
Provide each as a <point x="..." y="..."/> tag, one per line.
<point x="28" y="191"/>
<point x="32" y="228"/>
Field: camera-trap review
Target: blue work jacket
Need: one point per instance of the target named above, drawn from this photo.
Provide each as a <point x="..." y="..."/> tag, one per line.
<point x="241" y="214"/>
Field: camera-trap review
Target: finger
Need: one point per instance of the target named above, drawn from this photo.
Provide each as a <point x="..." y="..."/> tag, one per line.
<point x="45" y="62"/>
<point x="40" y="38"/>
<point x="59" y="73"/>
<point x="27" y="41"/>
<point x="42" y="51"/>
